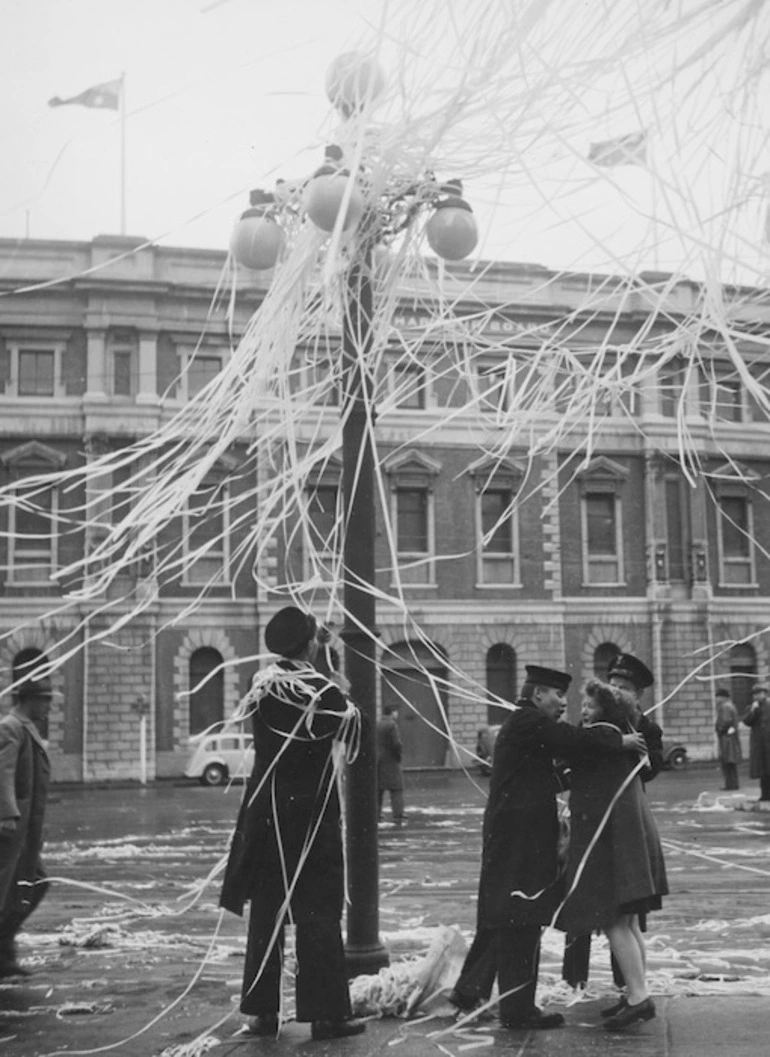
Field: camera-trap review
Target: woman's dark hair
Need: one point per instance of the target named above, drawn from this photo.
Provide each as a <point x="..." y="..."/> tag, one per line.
<point x="617" y="706"/>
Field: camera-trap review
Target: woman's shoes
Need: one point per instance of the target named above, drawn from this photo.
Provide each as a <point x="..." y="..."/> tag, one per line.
<point x="612" y="1011"/>
<point x="630" y="1015"/>
<point x="336" y="1029"/>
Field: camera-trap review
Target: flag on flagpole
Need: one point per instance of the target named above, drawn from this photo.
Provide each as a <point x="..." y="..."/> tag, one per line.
<point x="100" y="96"/>
<point x="622" y="150"/>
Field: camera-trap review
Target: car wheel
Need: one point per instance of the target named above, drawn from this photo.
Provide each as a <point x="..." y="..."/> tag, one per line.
<point x="214" y="774"/>
<point x="678" y="758"/>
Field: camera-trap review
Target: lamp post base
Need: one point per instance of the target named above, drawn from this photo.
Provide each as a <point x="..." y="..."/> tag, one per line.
<point x="365" y="960"/>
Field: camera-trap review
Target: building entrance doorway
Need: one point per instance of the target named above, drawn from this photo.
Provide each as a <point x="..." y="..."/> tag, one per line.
<point x="406" y="683"/>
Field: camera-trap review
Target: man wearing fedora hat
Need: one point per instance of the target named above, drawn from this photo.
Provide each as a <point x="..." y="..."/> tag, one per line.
<point x="24" y="777"/>
<point x="729" y="742"/>
<point x="286" y="855"/>
<point x="520" y="886"/>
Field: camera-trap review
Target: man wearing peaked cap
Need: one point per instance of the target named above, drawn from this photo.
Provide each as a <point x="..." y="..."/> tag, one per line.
<point x="549" y="677"/>
<point x="626" y="666"/>
<point x="520" y="886"/>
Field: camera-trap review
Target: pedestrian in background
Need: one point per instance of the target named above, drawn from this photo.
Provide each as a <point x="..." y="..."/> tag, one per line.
<point x="286" y="855"/>
<point x="758" y="719"/>
<point x="726" y="726"/>
<point x="390" y="776"/>
<point x="24" y="776"/>
<point x="521" y="886"/>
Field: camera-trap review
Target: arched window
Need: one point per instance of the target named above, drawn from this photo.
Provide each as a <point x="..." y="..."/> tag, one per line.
<point x="207" y="696"/>
<point x="603" y="656"/>
<point x="501" y="680"/>
<point x="25" y="664"/>
<point x="743" y="671"/>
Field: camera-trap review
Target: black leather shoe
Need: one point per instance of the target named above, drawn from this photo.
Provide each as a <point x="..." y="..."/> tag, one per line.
<point x="630" y="1015"/>
<point x="264" y="1024"/>
<point x="462" y="1002"/>
<point x="336" y="1029"/>
<point x="612" y="1011"/>
<point x="537" y="1021"/>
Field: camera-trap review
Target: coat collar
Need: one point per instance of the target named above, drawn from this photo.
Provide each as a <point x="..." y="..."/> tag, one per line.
<point x="31" y="727"/>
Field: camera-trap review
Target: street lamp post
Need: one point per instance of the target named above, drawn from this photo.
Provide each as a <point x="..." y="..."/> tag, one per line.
<point x="257" y="242"/>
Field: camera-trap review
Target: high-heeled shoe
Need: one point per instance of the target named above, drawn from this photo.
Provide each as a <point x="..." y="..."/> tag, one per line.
<point x="630" y="1015"/>
<point x="613" y="1010"/>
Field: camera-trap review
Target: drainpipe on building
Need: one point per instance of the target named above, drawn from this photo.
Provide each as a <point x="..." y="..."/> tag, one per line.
<point x="86" y="679"/>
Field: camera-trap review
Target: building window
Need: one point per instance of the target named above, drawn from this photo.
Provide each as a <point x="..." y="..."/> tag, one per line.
<point x="498" y="536"/>
<point x="677" y="529"/>
<point x="206" y="533"/>
<point x="604" y="654"/>
<point x="413" y="509"/>
<point x="412" y="479"/>
<point x="671" y="382"/>
<point x="32" y="544"/>
<point x="494" y="382"/>
<point x="323" y="519"/>
<point x="207" y="689"/>
<point x="721" y="393"/>
<point x="24" y="665"/>
<point x="408" y="386"/>
<point x="602" y="548"/>
<point x="36" y="371"/>
<point x="124" y="371"/>
<point x="501" y="681"/>
<point x="736" y="552"/>
<point x="200" y="372"/>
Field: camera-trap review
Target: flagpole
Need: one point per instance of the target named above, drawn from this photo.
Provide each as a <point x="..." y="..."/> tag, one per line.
<point x="123" y="153"/>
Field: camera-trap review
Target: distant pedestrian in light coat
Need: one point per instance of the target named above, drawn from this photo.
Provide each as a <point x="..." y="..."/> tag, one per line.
<point x="758" y="719"/>
<point x="24" y="776"/>
<point x="390" y="777"/>
<point x="726" y="726"/>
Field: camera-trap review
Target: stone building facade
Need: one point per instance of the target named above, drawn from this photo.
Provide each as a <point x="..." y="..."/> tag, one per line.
<point x="101" y="342"/>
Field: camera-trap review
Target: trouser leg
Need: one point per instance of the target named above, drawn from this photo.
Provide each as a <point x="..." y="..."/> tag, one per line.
<point x="261" y="992"/>
<point x="380" y="802"/>
<point x="518" y="961"/>
<point x="479" y="969"/>
<point x="397" y="804"/>
<point x="322" y="985"/>
<point x="731" y="776"/>
<point x="764" y="786"/>
<point x="576" y="961"/>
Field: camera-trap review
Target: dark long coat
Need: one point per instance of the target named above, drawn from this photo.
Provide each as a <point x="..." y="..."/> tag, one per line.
<point x="726" y="726"/>
<point x="519" y="883"/>
<point x="288" y="836"/>
<point x="389" y="750"/>
<point x="625" y="865"/>
<point x="24" y="777"/>
<point x="758" y="719"/>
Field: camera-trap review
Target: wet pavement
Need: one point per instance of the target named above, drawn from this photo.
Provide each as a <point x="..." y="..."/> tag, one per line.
<point x="130" y="954"/>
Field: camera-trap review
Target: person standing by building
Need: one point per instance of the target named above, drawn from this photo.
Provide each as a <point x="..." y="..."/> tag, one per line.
<point x="520" y="886"/>
<point x="24" y="777"/>
<point x="390" y="776"/>
<point x="286" y="855"/>
<point x="726" y="726"/>
<point x="758" y="719"/>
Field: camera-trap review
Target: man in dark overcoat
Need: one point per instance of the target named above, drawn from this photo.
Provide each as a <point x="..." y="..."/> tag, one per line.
<point x="728" y="739"/>
<point x="390" y="776"/>
<point x="286" y="856"/>
<point x="758" y="719"/>
<point x="24" y="776"/>
<point x="520" y="887"/>
<point x="626" y="672"/>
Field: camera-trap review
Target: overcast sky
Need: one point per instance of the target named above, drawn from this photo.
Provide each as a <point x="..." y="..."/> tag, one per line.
<point x="221" y="96"/>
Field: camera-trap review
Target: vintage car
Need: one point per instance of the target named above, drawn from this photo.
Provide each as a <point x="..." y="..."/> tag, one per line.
<point x="216" y="757"/>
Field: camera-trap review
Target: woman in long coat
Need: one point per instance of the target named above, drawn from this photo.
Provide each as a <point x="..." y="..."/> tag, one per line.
<point x="615" y="869"/>
<point x="286" y="855"/>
